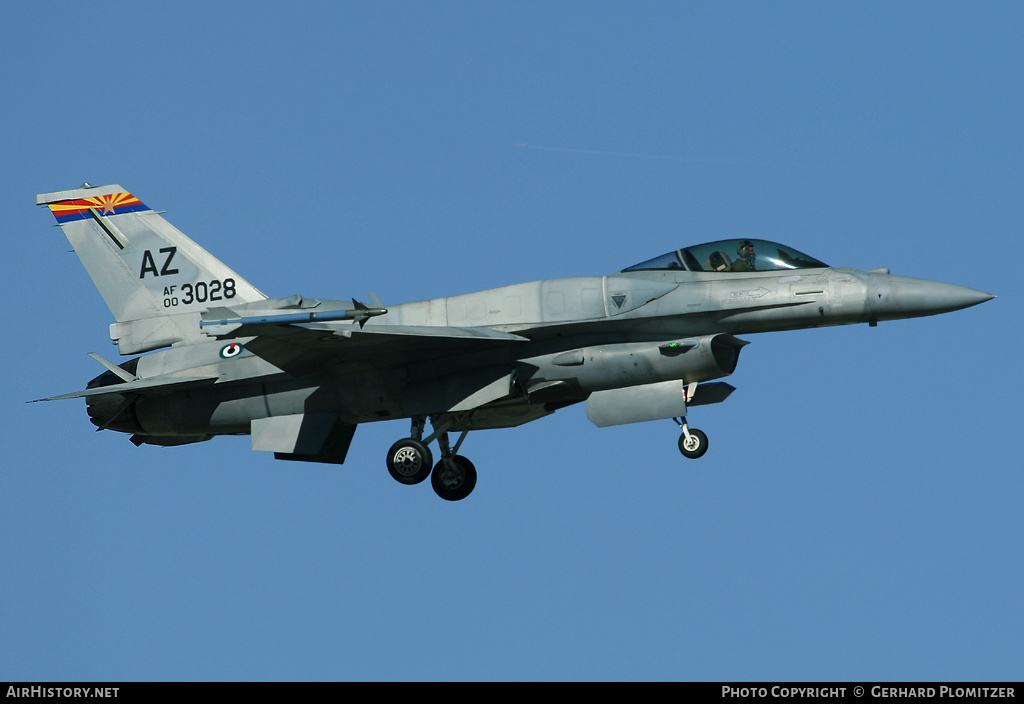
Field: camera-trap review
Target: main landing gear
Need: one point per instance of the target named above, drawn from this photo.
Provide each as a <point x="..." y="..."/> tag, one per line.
<point x="409" y="461"/>
<point x="693" y="443"/>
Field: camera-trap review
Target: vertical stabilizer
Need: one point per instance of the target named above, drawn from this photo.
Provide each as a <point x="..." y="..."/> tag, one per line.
<point x="155" y="280"/>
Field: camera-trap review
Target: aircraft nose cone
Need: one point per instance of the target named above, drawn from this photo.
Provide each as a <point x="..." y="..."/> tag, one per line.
<point x="967" y="297"/>
<point x="904" y="297"/>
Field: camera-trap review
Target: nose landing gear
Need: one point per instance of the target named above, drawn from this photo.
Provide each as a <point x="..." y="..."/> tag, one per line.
<point x="693" y="443"/>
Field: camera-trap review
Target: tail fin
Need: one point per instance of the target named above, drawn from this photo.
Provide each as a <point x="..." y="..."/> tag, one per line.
<point x="155" y="280"/>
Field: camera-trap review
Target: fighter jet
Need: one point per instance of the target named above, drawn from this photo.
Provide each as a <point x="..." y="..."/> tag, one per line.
<point x="299" y="374"/>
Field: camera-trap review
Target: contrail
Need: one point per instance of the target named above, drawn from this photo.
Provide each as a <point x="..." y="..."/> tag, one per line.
<point x="638" y="155"/>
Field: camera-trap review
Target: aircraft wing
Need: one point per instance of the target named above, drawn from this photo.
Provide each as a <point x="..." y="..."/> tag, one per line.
<point x="300" y="348"/>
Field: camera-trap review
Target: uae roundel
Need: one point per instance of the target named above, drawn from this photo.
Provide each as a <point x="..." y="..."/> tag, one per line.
<point x="232" y="350"/>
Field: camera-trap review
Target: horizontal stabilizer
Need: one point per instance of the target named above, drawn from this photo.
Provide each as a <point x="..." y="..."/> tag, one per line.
<point x="142" y="386"/>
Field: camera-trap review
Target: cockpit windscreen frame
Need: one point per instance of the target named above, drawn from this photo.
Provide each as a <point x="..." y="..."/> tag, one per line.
<point x="731" y="256"/>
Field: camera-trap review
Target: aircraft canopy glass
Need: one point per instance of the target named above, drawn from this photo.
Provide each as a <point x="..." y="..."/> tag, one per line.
<point x="732" y="255"/>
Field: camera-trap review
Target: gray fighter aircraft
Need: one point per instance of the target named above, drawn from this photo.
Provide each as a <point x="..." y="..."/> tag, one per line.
<point x="299" y="374"/>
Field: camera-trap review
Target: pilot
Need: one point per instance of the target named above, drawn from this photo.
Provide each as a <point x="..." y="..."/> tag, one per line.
<point x="746" y="259"/>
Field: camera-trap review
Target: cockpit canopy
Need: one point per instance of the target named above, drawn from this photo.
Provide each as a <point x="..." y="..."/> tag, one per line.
<point x="732" y="256"/>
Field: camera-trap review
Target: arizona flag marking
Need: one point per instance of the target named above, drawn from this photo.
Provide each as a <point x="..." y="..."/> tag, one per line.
<point x="113" y="204"/>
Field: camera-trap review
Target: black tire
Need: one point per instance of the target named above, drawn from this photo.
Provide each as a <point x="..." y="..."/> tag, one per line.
<point x="454" y="483"/>
<point x="697" y="446"/>
<point x="409" y="461"/>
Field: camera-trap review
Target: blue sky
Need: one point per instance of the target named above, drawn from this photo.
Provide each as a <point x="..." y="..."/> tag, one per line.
<point x="857" y="516"/>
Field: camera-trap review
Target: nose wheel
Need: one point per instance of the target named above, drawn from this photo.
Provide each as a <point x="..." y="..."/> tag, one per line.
<point x="693" y="443"/>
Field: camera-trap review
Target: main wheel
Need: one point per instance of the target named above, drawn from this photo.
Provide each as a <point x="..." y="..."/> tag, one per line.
<point x="696" y="446"/>
<point x="409" y="461"/>
<point x="453" y="481"/>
